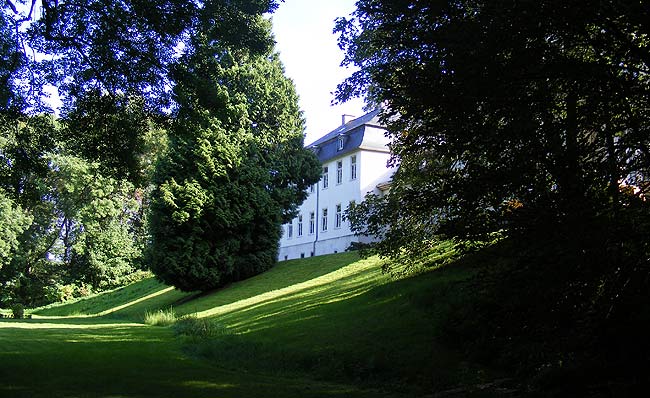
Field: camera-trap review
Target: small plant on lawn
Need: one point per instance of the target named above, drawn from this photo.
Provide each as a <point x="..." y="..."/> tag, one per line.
<point x="160" y="318"/>
<point x="193" y="326"/>
<point x="18" y="311"/>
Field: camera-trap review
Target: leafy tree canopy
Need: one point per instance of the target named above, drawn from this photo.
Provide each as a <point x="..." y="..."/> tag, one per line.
<point x="203" y="75"/>
<point x="13" y="221"/>
<point x="530" y="119"/>
<point x="63" y="223"/>
<point x="125" y="47"/>
<point x="112" y="130"/>
<point x="504" y="114"/>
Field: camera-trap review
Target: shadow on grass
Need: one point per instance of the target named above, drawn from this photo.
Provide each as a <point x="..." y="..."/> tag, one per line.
<point x="352" y="325"/>
<point x="286" y="275"/>
<point x="130" y="362"/>
<point x="332" y="318"/>
<point x="109" y="302"/>
<point x="336" y="285"/>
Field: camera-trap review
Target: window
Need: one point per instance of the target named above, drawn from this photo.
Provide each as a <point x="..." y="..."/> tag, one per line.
<point x="339" y="172"/>
<point x="300" y="225"/>
<point x="353" y="167"/>
<point x="312" y="223"/>
<point x="326" y="181"/>
<point x="311" y="188"/>
<point x="324" y="220"/>
<point x="339" y="216"/>
<point x="340" y="144"/>
<point x="290" y="231"/>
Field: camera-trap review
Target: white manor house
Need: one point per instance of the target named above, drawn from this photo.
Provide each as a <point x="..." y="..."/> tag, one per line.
<point x="354" y="160"/>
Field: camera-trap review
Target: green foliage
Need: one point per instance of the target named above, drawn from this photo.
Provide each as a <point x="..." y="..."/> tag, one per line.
<point x="24" y="170"/>
<point x="24" y="142"/>
<point x="532" y="125"/>
<point x="13" y="222"/>
<point x="123" y="47"/>
<point x="236" y="170"/>
<point x="18" y="311"/>
<point x="562" y="318"/>
<point x="96" y="240"/>
<point x="237" y="164"/>
<point x="58" y="293"/>
<point x="68" y="224"/>
<point x="528" y="119"/>
<point x="111" y="130"/>
<point x="160" y="318"/>
<point x="10" y="61"/>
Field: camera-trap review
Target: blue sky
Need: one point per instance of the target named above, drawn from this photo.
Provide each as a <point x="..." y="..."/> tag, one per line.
<point x="308" y="49"/>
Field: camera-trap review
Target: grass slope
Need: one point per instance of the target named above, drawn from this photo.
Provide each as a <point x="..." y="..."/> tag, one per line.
<point x="336" y="319"/>
<point x="129" y="361"/>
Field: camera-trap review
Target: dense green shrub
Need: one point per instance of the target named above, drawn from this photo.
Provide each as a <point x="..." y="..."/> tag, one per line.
<point x="193" y="326"/>
<point x="18" y="311"/>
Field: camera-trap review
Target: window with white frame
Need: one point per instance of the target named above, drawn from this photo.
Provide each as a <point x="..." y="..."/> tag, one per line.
<point x="311" y="188"/>
<point x="324" y="220"/>
<point x="340" y="144"/>
<point x="339" y="216"/>
<point x="326" y="180"/>
<point x="312" y="223"/>
<point x="353" y="167"/>
<point x="299" y="224"/>
<point x="339" y="172"/>
<point x="290" y="231"/>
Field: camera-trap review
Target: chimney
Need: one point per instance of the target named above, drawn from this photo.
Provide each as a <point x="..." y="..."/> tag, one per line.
<point x="346" y="118"/>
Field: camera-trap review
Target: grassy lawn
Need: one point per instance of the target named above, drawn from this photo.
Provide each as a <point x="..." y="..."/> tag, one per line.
<point x="323" y="326"/>
<point x="70" y="360"/>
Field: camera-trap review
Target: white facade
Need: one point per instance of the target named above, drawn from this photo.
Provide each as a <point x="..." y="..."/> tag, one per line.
<point x="354" y="162"/>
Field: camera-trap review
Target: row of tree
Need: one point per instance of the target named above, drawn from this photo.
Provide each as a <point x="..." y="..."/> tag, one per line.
<point x="178" y="146"/>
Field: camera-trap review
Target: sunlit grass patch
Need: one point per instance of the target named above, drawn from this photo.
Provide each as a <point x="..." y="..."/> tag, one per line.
<point x="348" y="321"/>
<point x="131" y="362"/>
<point x="161" y="317"/>
<point x="343" y="282"/>
<point x="337" y="318"/>
<point x="129" y="302"/>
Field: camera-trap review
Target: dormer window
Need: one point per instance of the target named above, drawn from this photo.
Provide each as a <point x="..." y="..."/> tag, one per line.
<point x="340" y="143"/>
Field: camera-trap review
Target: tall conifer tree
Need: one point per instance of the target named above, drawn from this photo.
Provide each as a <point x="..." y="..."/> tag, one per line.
<point x="236" y="169"/>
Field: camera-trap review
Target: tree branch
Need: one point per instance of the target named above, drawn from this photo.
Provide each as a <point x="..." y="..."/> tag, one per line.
<point x="12" y="6"/>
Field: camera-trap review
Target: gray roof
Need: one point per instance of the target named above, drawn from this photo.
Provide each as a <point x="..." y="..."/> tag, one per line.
<point x="365" y="132"/>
